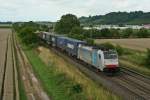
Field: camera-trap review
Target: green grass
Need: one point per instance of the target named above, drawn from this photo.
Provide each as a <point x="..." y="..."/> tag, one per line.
<point x="135" y="60"/>
<point x="57" y="85"/>
<point x="22" y="92"/>
<point x="139" y="69"/>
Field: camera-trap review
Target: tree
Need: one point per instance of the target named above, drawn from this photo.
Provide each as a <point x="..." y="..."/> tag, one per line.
<point x="127" y="32"/>
<point x="106" y="33"/>
<point x="66" y="23"/>
<point x="28" y="36"/>
<point x="16" y="27"/>
<point x="143" y="33"/>
<point x="77" y="33"/>
<point x="115" y="33"/>
<point x="120" y="50"/>
<point x="76" y="30"/>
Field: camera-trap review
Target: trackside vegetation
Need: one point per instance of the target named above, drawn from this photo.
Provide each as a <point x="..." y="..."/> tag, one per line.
<point x="26" y="31"/>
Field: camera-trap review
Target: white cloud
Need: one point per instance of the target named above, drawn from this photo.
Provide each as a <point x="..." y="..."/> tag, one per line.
<point x="25" y="10"/>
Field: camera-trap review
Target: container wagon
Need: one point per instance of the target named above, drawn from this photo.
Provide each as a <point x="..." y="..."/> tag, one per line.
<point x="61" y="43"/>
<point x="46" y="37"/>
<point x="72" y="46"/>
<point x="53" y="39"/>
<point x="49" y="38"/>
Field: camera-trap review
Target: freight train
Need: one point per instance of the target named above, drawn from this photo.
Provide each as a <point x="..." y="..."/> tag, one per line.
<point x="105" y="60"/>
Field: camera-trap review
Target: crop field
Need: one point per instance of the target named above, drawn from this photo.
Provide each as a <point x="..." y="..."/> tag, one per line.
<point x="8" y="71"/>
<point x="135" y="44"/>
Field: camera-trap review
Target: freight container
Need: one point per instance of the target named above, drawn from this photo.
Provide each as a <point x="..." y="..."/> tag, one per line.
<point x="46" y="37"/>
<point x="61" y="42"/>
<point x="43" y="36"/>
<point x="72" y="46"/>
<point x="53" y="39"/>
<point x="40" y="34"/>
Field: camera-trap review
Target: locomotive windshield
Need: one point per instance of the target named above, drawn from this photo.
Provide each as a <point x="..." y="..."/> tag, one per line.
<point x="110" y="55"/>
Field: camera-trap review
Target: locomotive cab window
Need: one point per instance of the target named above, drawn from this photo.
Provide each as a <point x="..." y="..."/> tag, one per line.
<point x="110" y="55"/>
<point x="99" y="56"/>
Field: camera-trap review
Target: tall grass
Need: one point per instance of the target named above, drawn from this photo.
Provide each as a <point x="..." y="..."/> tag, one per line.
<point x="135" y="60"/>
<point x="57" y="85"/>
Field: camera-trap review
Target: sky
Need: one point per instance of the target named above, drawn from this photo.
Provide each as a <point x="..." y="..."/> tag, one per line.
<point x="52" y="10"/>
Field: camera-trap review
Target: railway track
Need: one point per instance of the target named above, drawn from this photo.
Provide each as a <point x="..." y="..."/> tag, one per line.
<point x="134" y="82"/>
<point x="128" y="84"/>
<point x="9" y="78"/>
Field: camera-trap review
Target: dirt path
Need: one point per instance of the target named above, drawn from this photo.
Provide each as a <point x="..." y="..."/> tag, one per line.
<point x="33" y="88"/>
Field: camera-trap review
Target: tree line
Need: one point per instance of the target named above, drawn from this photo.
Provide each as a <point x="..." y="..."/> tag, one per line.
<point x="116" y="33"/>
<point x="26" y="32"/>
<point x="136" y="17"/>
<point x="70" y="25"/>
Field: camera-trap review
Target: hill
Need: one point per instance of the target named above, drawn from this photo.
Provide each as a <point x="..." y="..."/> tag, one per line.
<point x="137" y="17"/>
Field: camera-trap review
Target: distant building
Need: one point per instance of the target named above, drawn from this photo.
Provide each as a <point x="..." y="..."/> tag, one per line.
<point x="147" y="26"/>
<point x="100" y="27"/>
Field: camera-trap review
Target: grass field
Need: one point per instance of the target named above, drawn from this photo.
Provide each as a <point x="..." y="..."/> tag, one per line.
<point x="135" y="44"/>
<point x="135" y="61"/>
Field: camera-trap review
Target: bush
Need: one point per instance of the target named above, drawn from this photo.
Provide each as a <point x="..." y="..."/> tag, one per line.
<point x="77" y="88"/>
<point x="90" y="41"/>
<point x="143" y="33"/>
<point x="28" y="36"/>
<point x="148" y="57"/>
<point x="120" y="50"/>
<point x="127" y="33"/>
<point x="76" y="33"/>
<point x="108" y="45"/>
